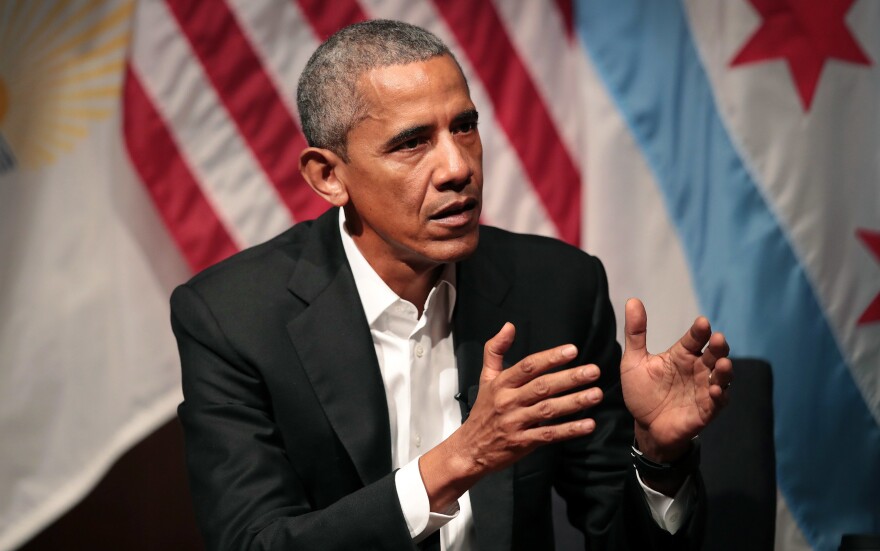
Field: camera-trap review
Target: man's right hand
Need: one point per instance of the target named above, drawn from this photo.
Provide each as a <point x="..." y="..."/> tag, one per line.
<point x="515" y="412"/>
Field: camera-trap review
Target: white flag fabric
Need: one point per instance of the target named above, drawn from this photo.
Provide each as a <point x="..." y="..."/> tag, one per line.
<point x="88" y="366"/>
<point x="716" y="156"/>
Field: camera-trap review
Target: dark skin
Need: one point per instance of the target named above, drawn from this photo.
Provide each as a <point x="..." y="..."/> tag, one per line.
<point x="411" y="187"/>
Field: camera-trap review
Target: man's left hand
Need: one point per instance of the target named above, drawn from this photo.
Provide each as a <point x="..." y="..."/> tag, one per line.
<point x="674" y="394"/>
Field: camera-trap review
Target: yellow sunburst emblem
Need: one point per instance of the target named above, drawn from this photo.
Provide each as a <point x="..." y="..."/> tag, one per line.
<point x="60" y="69"/>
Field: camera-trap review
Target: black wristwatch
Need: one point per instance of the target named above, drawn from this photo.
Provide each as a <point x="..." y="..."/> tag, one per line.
<point x="678" y="470"/>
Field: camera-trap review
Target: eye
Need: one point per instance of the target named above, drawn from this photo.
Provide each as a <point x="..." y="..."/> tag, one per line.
<point x="465" y="127"/>
<point x="409" y="144"/>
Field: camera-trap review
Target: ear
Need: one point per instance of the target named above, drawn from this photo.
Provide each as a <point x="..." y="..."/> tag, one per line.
<point x="318" y="167"/>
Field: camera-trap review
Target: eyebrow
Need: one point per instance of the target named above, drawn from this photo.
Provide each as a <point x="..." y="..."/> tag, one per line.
<point x="406" y="135"/>
<point x="468" y="115"/>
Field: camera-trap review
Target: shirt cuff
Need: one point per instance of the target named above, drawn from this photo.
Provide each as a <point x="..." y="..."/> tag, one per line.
<point x="413" y="498"/>
<point x="669" y="512"/>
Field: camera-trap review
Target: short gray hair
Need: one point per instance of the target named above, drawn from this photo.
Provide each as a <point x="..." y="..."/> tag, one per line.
<point x="327" y="95"/>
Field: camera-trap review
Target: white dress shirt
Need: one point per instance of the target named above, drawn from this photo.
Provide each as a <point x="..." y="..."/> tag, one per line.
<point x="418" y="366"/>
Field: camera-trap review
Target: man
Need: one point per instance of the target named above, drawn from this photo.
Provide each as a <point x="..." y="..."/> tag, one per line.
<point x="393" y="375"/>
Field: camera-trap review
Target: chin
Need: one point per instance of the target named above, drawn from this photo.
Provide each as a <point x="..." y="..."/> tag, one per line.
<point x="454" y="250"/>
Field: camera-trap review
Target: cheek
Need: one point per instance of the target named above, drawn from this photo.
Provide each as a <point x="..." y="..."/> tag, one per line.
<point x="476" y="149"/>
<point x="412" y="194"/>
<point x="397" y="207"/>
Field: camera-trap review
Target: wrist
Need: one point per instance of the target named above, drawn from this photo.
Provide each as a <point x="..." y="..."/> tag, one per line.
<point x="666" y="477"/>
<point x="446" y="474"/>
<point x="659" y="452"/>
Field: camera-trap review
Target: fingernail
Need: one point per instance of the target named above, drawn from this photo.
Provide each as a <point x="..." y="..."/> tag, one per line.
<point x="592" y="371"/>
<point x="594" y="394"/>
<point x="569" y="351"/>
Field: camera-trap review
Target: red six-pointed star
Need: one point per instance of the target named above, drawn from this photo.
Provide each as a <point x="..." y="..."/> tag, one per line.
<point x="806" y="33"/>
<point x="871" y="239"/>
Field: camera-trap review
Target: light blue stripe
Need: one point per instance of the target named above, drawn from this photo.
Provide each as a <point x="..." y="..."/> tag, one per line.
<point x="748" y="279"/>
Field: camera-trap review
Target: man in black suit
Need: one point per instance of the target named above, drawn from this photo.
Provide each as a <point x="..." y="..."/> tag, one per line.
<point x="393" y="371"/>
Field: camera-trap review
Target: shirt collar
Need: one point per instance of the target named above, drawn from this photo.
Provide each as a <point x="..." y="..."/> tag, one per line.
<point x="376" y="297"/>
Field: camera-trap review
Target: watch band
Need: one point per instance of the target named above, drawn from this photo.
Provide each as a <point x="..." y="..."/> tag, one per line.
<point x="677" y="470"/>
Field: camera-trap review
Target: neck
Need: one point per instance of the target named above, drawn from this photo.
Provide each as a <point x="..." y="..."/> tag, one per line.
<point x="409" y="283"/>
<point x="410" y="278"/>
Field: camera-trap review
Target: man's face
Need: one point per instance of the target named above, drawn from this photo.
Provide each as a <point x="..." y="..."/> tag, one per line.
<point x="414" y="176"/>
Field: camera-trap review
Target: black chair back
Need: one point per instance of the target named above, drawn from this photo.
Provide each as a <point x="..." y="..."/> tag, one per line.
<point x="738" y="465"/>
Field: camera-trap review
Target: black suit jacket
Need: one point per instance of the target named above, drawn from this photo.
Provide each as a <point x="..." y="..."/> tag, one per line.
<point x="285" y="418"/>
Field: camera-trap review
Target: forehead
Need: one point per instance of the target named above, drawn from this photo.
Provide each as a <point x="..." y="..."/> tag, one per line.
<point x="415" y="92"/>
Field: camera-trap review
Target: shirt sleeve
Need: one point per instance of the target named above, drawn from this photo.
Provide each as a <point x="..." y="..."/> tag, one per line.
<point x="669" y="512"/>
<point x="413" y="497"/>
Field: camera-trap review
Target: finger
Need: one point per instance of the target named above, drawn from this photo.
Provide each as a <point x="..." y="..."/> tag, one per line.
<point x="718" y="345"/>
<point x="635" y="326"/>
<point x="720" y="393"/>
<point x="720" y="397"/>
<point x="538" y="363"/>
<point x="722" y="375"/>
<point x="716" y="349"/>
<point x="697" y="336"/>
<point x="553" y="408"/>
<point x="493" y="352"/>
<point x="550" y="384"/>
<point x="556" y="433"/>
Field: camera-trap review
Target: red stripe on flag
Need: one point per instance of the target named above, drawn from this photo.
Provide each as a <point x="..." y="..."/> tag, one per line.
<point x="328" y="17"/>
<point x="193" y="224"/>
<point x="566" y="10"/>
<point x="520" y="111"/>
<point x="251" y="98"/>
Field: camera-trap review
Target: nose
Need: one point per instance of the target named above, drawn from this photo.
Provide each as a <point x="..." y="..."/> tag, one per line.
<point x="453" y="167"/>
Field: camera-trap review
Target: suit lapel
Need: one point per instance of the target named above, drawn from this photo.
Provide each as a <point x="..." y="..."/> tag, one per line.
<point x="332" y="340"/>
<point x="481" y="309"/>
<point x="333" y="343"/>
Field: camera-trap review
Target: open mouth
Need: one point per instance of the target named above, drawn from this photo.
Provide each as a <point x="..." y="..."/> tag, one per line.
<point x="455" y="209"/>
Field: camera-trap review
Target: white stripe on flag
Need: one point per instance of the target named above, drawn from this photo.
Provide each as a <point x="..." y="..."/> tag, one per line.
<point x="284" y="41"/>
<point x="232" y="181"/>
<point x="538" y="32"/>
<point x="627" y="224"/>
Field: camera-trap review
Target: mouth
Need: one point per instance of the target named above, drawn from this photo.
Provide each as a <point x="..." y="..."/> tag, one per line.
<point x="456" y="213"/>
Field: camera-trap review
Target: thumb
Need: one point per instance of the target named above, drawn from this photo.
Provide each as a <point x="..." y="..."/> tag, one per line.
<point x="635" y="327"/>
<point x="493" y="352"/>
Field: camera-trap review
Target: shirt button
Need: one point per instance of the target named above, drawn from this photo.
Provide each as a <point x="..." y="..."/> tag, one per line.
<point x="418" y="441"/>
<point x="420" y="351"/>
<point x="673" y="517"/>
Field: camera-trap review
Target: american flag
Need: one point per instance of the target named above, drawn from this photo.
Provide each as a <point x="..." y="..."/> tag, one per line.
<point x="212" y="127"/>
